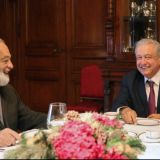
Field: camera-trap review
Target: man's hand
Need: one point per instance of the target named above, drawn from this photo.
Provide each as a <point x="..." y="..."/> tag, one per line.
<point x="8" y="137"/>
<point x="128" y="115"/>
<point x="155" y="116"/>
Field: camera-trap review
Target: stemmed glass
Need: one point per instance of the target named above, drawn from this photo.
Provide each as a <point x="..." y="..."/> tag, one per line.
<point x="56" y="114"/>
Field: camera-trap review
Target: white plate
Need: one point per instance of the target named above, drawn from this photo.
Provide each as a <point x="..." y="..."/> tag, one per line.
<point x="132" y="134"/>
<point x="57" y="123"/>
<point x="27" y="134"/>
<point x="2" y="149"/>
<point x="111" y="113"/>
<point x="147" y="122"/>
<point x="144" y="138"/>
<point x="30" y="133"/>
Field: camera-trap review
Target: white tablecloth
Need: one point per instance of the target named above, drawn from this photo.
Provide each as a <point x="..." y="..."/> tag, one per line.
<point x="152" y="149"/>
<point x="2" y="151"/>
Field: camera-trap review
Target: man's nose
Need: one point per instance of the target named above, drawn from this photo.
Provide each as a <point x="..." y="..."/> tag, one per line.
<point x="10" y="64"/>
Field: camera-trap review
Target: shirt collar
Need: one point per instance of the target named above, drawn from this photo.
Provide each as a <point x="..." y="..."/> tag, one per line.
<point x="155" y="78"/>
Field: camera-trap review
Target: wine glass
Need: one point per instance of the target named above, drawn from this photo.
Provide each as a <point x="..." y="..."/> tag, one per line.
<point x="56" y="114"/>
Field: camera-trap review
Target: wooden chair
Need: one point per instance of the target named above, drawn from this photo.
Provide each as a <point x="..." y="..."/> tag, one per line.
<point x="111" y="92"/>
<point x="91" y="90"/>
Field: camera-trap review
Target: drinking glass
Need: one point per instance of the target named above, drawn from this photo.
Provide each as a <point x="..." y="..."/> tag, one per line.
<point x="56" y="114"/>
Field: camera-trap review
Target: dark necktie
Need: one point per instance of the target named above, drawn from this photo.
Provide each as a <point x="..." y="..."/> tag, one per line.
<point x="1" y="114"/>
<point x="151" y="99"/>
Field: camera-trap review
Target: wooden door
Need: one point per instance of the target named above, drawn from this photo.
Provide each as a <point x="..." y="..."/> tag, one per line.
<point x="8" y="33"/>
<point x="87" y="40"/>
<point x="53" y="40"/>
<point x="42" y="52"/>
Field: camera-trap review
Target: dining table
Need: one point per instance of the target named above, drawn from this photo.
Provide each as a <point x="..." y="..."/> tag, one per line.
<point x="139" y="129"/>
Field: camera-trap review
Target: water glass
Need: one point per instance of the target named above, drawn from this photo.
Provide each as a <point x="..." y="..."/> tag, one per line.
<point x="56" y="114"/>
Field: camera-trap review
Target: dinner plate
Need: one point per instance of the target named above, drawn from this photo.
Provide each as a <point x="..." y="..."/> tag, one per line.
<point x="111" y="113"/>
<point x="57" y="123"/>
<point x="132" y="134"/>
<point x="147" y="122"/>
<point x="32" y="132"/>
<point x="28" y="133"/>
<point x="144" y="138"/>
<point x="2" y="149"/>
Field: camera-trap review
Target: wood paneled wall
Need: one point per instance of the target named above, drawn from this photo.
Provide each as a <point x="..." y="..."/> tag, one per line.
<point x="51" y="40"/>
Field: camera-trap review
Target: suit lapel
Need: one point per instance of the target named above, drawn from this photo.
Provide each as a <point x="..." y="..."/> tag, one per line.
<point x="4" y="106"/>
<point x="158" y="102"/>
<point x="142" y="92"/>
<point x="1" y="125"/>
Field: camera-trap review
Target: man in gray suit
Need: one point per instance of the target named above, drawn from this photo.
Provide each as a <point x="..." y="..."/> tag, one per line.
<point x="14" y="115"/>
<point x="134" y="93"/>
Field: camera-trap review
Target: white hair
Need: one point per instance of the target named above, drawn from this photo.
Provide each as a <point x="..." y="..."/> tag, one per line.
<point x="146" y="41"/>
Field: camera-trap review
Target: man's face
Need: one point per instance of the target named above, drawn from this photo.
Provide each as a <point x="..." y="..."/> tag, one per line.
<point x="148" y="63"/>
<point x="5" y="64"/>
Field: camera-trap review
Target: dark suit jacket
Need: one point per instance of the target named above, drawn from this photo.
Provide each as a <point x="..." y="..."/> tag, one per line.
<point x="16" y="115"/>
<point x="133" y="94"/>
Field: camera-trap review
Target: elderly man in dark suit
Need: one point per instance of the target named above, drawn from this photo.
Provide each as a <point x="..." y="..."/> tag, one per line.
<point x="133" y="99"/>
<point x="14" y="115"/>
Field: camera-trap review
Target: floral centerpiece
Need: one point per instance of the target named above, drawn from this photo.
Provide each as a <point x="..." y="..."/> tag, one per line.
<point x="83" y="136"/>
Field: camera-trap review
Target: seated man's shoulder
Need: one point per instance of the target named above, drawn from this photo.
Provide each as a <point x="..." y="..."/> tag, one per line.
<point x="132" y="74"/>
<point x="131" y="77"/>
<point x="8" y="89"/>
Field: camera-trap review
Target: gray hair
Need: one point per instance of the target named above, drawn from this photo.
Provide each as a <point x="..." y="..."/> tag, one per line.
<point x="147" y="41"/>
